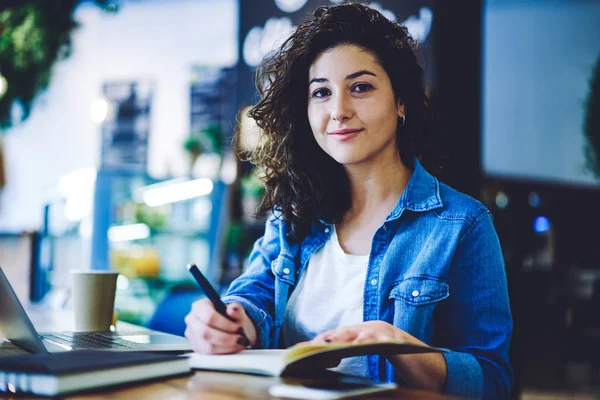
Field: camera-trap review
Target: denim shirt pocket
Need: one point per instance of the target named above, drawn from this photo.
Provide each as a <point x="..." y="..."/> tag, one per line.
<point x="414" y="299"/>
<point x="284" y="270"/>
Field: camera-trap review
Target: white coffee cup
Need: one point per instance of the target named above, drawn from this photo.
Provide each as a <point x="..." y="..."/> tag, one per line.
<point x="93" y="296"/>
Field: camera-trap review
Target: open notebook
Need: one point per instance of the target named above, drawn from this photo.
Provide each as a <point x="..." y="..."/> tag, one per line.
<point x="296" y="360"/>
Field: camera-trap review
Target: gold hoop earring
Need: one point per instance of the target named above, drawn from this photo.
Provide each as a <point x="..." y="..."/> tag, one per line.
<point x="403" y="121"/>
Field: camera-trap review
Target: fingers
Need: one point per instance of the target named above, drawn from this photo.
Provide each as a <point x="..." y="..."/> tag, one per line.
<point x="371" y="331"/>
<point x="344" y="334"/>
<point x="206" y="347"/>
<point x="236" y="311"/>
<point x="206" y="333"/>
<point x="204" y="311"/>
<point x="368" y="336"/>
<point x="210" y="332"/>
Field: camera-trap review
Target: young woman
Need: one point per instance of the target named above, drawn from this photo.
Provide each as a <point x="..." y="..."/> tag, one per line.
<point x="362" y="243"/>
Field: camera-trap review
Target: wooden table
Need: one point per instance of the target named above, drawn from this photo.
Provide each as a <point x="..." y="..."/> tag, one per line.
<point x="200" y="385"/>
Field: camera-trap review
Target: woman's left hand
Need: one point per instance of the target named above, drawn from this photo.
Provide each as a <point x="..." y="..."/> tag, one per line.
<point x="370" y="331"/>
<point x="425" y="371"/>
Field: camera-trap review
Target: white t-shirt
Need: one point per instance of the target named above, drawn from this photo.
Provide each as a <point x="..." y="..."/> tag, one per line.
<point x="328" y="295"/>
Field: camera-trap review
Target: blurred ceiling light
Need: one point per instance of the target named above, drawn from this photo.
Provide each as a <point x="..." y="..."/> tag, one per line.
<point x="387" y="13"/>
<point x="99" y="110"/>
<point x="157" y="195"/>
<point x="541" y="224"/>
<point x="125" y="233"/>
<point x="138" y="194"/>
<point x="418" y="27"/>
<point x="229" y="169"/>
<point x="290" y="5"/>
<point x="534" y="199"/>
<point x="260" y="41"/>
<point x="3" y="85"/>
<point x="501" y="200"/>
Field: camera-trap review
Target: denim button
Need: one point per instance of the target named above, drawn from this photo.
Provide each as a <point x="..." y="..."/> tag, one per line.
<point x="373" y="282"/>
<point x="415" y="293"/>
<point x="286" y="271"/>
<point x="326" y="230"/>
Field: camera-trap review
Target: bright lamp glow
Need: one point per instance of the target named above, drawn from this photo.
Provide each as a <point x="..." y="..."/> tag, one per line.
<point x="3" y="85"/>
<point x="178" y="191"/>
<point x="501" y="200"/>
<point x="125" y="233"/>
<point x="99" y="110"/>
<point x="122" y="282"/>
<point x="541" y="224"/>
<point x="77" y="188"/>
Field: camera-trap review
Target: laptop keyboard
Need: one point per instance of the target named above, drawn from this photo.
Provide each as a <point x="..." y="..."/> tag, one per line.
<point x="86" y="340"/>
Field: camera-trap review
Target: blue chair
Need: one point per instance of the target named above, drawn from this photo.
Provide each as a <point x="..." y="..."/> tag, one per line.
<point x="171" y="311"/>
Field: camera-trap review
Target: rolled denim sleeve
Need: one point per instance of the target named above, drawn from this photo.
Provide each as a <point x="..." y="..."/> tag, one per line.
<point x="475" y="321"/>
<point x="254" y="289"/>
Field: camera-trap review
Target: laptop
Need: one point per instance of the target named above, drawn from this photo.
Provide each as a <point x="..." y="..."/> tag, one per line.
<point x="16" y="326"/>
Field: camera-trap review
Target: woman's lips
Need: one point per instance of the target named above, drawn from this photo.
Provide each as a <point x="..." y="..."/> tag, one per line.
<point x="343" y="135"/>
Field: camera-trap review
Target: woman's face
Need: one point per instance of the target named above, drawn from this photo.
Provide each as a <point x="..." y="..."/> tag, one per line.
<point x="352" y="110"/>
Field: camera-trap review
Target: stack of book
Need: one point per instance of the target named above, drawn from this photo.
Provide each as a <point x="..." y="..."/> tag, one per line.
<point x="59" y="373"/>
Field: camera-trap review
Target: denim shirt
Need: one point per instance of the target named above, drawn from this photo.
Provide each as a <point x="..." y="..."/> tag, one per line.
<point x="435" y="271"/>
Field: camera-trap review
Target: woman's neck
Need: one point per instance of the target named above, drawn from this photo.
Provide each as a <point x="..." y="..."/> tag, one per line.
<point x="376" y="186"/>
<point x="375" y="190"/>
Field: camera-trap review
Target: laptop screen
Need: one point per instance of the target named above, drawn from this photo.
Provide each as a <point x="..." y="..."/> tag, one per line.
<point x="15" y="325"/>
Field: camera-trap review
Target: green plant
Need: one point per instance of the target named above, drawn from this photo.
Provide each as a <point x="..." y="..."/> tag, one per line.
<point x="193" y="145"/>
<point x="33" y="36"/>
<point x="208" y="139"/>
<point x="214" y="135"/>
<point x="235" y="237"/>
<point x="252" y="186"/>
<point x="154" y="217"/>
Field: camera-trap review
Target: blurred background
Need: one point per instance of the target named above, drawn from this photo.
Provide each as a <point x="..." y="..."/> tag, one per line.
<point x="118" y="151"/>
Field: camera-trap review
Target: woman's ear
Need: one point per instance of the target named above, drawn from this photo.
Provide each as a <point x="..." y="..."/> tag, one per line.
<point x="400" y="107"/>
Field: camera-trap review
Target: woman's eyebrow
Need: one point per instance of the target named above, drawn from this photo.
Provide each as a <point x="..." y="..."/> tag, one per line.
<point x="318" y="80"/>
<point x="359" y="73"/>
<point x="348" y="77"/>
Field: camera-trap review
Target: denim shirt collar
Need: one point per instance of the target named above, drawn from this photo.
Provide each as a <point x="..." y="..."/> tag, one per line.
<point x="422" y="193"/>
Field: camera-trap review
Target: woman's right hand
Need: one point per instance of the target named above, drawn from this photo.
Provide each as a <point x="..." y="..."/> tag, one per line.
<point x="211" y="333"/>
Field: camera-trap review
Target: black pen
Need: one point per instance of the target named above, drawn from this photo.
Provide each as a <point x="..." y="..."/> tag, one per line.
<point x="209" y="291"/>
<point x="213" y="296"/>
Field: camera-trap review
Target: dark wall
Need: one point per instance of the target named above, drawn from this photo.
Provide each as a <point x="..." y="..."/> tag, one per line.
<point x="458" y="94"/>
<point x="252" y="16"/>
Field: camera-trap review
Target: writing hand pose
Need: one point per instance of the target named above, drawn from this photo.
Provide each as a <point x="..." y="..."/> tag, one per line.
<point x="425" y="371"/>
<point x="212" y="333"/>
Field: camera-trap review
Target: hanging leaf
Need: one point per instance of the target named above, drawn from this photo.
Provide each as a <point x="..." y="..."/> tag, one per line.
<point x="33" y="36"/>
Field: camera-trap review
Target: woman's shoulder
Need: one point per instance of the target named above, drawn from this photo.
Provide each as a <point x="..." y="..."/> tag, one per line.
<point x="459" y="206"/>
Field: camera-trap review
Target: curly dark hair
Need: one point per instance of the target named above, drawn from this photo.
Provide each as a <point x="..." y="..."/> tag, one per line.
<point x="303" y="183"/>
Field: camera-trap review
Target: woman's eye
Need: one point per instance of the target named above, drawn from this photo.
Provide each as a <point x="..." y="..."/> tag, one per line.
<point x="362" y="87"/>
<point x="320" y="93"/>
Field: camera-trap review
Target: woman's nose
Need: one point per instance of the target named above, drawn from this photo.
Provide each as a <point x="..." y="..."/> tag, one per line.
<point x="342" y="108"/>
